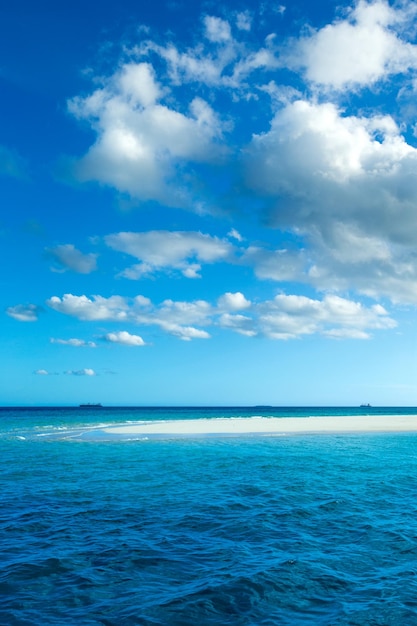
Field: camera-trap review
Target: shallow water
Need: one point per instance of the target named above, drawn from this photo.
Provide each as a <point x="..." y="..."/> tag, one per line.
<point x="244" y="531"/>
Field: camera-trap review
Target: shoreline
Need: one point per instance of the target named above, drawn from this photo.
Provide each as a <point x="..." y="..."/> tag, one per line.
<point x="269" y="426"/>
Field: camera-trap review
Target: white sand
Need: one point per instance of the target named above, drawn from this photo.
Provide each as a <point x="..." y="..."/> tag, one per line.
<point x="270" y="425"/>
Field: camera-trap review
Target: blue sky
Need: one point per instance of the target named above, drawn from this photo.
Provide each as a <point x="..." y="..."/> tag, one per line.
<point x="207" y="204"/>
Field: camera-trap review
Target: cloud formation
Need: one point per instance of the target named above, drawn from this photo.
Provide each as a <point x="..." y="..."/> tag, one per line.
<point x="76" y="343"/>
<point x="141" y="143"/>
<point x="283" y="317"/>
<point x="24" y="312"/>
<point x="86" y="371"/>
<point x="347" y="185"/>
<point x="97" y="308"/>
<point x="362" y="49"/>
<point x="169" y="250"/>
<point x="67" y="257"/>
<point x="323" y="153"/>
<point x="124" y="338"/>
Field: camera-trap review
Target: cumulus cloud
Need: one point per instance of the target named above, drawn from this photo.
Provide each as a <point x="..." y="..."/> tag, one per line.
<point x="176" y="318"/>
<point x="359" y="50"/>
<point x="233" y="301"/>
<point x="140" y="142"/>
<point x="288" y="317"/>
<point x="166" y="250"/>
<point x="67" y="257"/>
<point x="279" y="265"/>
<point x="335" y="172"/>
<point x="124" y="338"/>
<point x="242" y="324"/>
<point x="24" y="312"/>
<point x="293" y="316"/>
<point x="77" y="343"/>
<point x="41" y="372"/>
<point x="216" y="29"/>
<point x="96" y="308"/>
<point x="86" y="371"/>
<point x="283" y="317"/>
<point x="186" y="333"/>
<point x="347" y="185"/>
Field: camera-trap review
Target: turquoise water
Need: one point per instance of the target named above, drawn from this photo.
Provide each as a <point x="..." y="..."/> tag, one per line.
<point x="244" y="531"/>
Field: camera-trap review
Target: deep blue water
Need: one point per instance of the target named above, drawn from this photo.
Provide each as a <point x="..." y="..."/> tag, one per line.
<point x="317" y="530"/>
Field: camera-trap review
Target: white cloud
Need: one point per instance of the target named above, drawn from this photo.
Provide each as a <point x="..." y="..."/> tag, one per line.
<point x="308" y="139"/>
<point x="189" y="312"/>
<point x="361" y="49"/>
<point x="141" y="142"/>
<point x="244" y="21"/>
<point x="284" y="317"/>
<point x="186" y="333"/>
<point x="24" y="312"/>
<point x="77" y="343"/>
<point x="83" y="372"/>
<point x="124" y="338"/>
<point x="166" y="250"/>
<point x="279" y="265"/>
<point x="216" y="29"/>
<point x="176" y="318"/>
<point x="97" y="308"/>
<point x="41" y="372"/>
<point x="233" y="302"/>
<point x="242" y="324"/>
<point x="345" y="184"/>
<point x="137" y="84"/>
<point x="69" y="258"/>
<point x="342" y="181"/>
<point x="288" y="317"/>
<point x="234" y="234"/>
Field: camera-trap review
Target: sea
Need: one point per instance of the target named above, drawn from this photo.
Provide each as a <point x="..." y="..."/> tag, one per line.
<point x="299" y="529"/>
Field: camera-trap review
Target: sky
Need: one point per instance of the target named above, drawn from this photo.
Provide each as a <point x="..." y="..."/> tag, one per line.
<point x="208" y="204"/>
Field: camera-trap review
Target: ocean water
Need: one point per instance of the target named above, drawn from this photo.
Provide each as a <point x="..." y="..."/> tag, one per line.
<point x="290" y="530"/>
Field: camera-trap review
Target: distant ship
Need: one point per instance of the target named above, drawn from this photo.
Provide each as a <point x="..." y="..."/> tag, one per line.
<point x="365" y="406"/>
<point x="89" y="405"/>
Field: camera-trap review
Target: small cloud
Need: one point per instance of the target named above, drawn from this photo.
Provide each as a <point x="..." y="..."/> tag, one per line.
<point x="41" y="372"/>
<point x="69" y="258"/>
<point x="217" y="30"/>
<point x="24" y="312"/>
<point x="244" y="21"/>
<point x="124" y="338"/>
<point x="97" y="308"/>
<point x="77" y="343"/>
<point x="186" y="333"/>
<point x="166" y="251"/>
<point x="233" y="301"/>
<point x="234" y="234"/>
<point x="84" y="372"/>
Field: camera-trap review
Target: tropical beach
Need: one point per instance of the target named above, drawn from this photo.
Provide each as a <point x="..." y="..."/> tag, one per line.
<point x="208" y="515"/>
<point x="208" y="356"/>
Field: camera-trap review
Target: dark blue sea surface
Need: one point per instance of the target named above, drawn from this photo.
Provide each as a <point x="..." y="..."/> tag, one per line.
<point x="317" y="530"/>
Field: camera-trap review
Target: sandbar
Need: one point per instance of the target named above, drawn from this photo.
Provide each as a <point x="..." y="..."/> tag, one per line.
<point x="268" y="426"/>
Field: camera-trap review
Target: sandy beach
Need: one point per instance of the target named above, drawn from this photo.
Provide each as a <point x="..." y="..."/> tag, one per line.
<point x="269" y="426"/>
